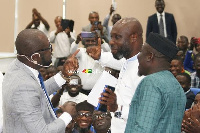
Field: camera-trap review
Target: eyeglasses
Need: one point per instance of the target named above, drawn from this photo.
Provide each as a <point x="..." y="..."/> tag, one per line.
<point x="42" y="50"/>
<point x="102" y="115"/>
<point x="87" y="115"/>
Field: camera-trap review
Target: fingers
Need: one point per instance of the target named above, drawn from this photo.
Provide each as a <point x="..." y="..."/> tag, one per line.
<point x="75" y="53"/>
<point x="99" y="42"/>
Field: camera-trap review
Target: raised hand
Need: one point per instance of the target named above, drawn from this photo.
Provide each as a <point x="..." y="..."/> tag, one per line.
<point x="95" y="51"/>
<point x="71" y="65"/>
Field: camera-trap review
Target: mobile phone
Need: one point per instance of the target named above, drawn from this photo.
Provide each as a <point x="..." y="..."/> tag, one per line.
<point x="103" y="107"/>
<point x="65" y="23"/>
<point x="88" y="34"/>
<point x="97" y="23"/>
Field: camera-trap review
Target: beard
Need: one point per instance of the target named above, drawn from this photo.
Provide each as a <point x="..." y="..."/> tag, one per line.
<point x="73" y="94"/>
<point x="45" y="62"/>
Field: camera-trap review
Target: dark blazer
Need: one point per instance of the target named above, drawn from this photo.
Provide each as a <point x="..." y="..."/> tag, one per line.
<point x="152" y="26"/>
<point x="190" y="99"/>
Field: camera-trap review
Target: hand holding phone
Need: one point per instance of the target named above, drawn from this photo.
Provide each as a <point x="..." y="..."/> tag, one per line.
<point x="107" y="100"/>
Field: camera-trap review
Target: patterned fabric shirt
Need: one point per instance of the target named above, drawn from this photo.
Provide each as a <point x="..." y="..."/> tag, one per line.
<point x="157" y="106"/>
<point x="195" y="81"/>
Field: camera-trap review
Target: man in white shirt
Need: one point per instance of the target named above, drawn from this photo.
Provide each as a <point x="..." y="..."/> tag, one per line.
<point x="63" y="39"/>
<point x="126" y="41"/>
<point x="89" y="69"/>
<point x="70" y="92"/>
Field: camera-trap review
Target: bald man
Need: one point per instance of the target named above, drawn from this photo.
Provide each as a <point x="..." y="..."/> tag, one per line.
<point x="126" y="42"/>
<point x="26" y="106"/>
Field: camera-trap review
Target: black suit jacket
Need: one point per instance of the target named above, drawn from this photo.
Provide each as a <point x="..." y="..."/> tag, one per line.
<point x="152" y="26"/>
<point x="190" y="99"/>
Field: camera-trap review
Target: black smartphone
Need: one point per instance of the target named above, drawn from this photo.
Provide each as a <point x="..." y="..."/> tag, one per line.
<point x="103" y="107"/>
<point x="65" y="23"/>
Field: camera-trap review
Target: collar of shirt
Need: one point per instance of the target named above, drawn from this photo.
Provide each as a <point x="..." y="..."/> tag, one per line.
<point x="187" y="92"/>
<point x="35" y="72"/>
<point x="158" y="14"/>
<point x="132" y="58"/>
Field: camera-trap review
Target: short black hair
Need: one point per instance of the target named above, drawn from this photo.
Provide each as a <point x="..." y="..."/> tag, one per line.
<point x="84" y="106"/>
<point x="186" y="75"/>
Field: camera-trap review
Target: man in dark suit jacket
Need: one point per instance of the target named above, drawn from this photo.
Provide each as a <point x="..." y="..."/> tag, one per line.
<point x="185" y="80"/>
<point x="170" y="30"/>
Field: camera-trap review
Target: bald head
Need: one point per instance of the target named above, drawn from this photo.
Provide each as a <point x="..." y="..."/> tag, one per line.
<point x="30" y="40"/>
<point x="126" y="38"/>
<point x="131" y="25"/>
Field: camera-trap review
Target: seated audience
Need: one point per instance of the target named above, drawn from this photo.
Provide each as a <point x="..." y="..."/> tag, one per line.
<point x="191" y="119"/>
<point x="95" y="25"/>
<point x="181" y="54"/>
<point x="183" y="44"/>
<point x="69" y="92"/>
<point x="102" y="121"/>
<point x="193" y="50"/>
<point x="50" y="72"/>
<point x="185" y="81"/>
<point x="84" y="117"/>
<point x="70" y="107"/>
<point x="195" y="76"/>
<point x="36" y="22"/>
<point x="176" y="66"/>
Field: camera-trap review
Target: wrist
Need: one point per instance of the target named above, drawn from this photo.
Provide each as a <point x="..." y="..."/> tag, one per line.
<point x="63" y="76"/>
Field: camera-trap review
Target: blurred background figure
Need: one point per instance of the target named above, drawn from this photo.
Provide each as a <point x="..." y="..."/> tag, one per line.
<point x="36" y="22"/>
<point x="62" y="37"/>
<point x="115" y="18"/>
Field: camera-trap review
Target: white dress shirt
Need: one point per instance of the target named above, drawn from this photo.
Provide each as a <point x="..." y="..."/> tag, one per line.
<point x="77" y="99"/>
<point x="87" y="62"/>
<point x="62" y="43"/>
<point x="127" y="83"/>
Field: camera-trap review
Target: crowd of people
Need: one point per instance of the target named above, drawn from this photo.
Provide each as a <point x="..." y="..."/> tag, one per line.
<point x="157" y="88"/>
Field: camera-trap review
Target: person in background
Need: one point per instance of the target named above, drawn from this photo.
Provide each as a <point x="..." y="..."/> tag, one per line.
<point x="185" y="81"/>
<point x="183" y="44"/>
<point x="114" y="19"/>
<point x="191" y="119"/>
<point x="26" y="104"/>
<point x="70" y="107"/>
<point x="36" y="22"/>
<point x="176" y="66"/>
<point x="86" y="63"/>
<point x="195" y="76"/>
<point x="95" y="25"/>
<point x="70" y="92"/>
<point x="193" y="50"/>
<point x="158" y="104"/>
<point x="101" y="121"/>
<point x="62" y="38"/>
<point x="84" y="117"/>
<point x="162" y="22"/>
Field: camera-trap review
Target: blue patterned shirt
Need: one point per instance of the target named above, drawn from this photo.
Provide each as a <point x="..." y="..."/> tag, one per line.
<point x="157" y="106"/>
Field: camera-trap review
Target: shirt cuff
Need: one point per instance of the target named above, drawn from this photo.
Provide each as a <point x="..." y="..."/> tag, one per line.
<point x="66" y="118"/>
<point x="59" y="80"/>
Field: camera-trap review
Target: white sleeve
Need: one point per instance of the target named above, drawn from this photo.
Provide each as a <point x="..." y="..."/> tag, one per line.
<point x="107" y="60"/>
<point x="74" y="47"/>
<point x="52" y="36"/>
<point x="105" y="47"/>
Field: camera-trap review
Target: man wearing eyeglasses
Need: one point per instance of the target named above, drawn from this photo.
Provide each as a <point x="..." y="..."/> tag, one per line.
<point x="26" y="104"/>
<point x="84" y="117"/>
<point x="101" y="121"/>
